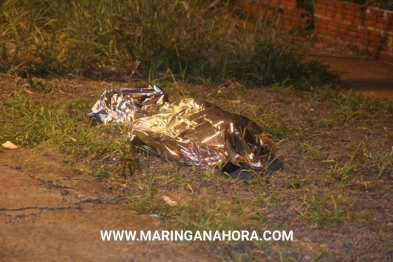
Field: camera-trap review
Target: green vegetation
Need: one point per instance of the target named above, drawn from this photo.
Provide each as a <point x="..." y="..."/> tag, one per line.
<point x="50" y="119"/>
<point x="196" y="41"/>
<point x="321" y="209"/>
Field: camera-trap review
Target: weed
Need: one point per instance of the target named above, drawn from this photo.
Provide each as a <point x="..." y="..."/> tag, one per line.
<point x="343" y="173"/>
<point x="382" y="160"/>
<point x="321" y="210"/>
<point x="313" y="153"/>
<point x="295" y="183"/>
<point x="180" y="181"/>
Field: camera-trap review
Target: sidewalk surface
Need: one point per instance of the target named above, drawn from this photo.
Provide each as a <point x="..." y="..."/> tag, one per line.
<point x="365" y="76"/>
<point x="50" y="214"/>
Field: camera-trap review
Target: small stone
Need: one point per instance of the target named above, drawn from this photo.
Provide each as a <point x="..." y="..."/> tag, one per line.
<point x="9" y="145"/>
<point x="169" y="201"/>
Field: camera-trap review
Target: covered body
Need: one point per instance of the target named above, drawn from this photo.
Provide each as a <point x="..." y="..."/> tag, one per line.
<point x="190" y="132"/>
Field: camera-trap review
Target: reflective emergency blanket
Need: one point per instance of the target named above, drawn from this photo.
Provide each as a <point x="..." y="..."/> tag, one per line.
<point x="190" y="132"/>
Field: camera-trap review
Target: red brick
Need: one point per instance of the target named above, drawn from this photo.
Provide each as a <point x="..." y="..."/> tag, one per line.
<point x="330" y="14"/>
<point x="386" y="47"/>
<point x="296" y="18"/>
<point x="339" y="11"/>
<point x="381" y="26"/>
<point x="319" y="10"/>
<point x="333" y="30"/>
<point x="333" y="34"/>
<point x="321" y="23"/>
<point x="375" y="36"/>
<point x="338" y="16"/>
<point x="343" y="29"/>
<point x="379" y="15"/>
<point x="353" y="30"/>
<point x="292" y="4"/>
<point x="342" y="37"/>
<point x="349" y="18"/>
<point x="371" y="18"/>
<point x="288" y="12"/>
<point x="350" y="7"/>
<point x="373" y="42"/>
<point x="363" y="33"/>
<point x="374" y="45"/>
<point x="358" y="21"/>
<point x="320" y="6"/>
<point x="334" y="23"/>
<point x="343" y="32"/>
<point x="330" y="8"/>
<point x="330" y="4"/>
<point x="359" y="13"/>
<point x="370" y="22"/>
<point x="321" y="31"/>
<point x="353" y="39"/>
<point x="388" y="15"/>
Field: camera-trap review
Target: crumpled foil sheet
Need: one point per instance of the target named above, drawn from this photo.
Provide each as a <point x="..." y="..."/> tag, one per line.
<point x="191" y="132"/>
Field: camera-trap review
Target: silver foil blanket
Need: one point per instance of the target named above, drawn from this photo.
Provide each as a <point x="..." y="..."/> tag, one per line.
<point x="190" y="132"/>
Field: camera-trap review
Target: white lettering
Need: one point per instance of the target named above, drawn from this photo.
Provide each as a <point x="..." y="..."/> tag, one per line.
<point x="235" y="235"/>
<point x="105" y="236"/>
<point x="276" y="235"/>
<point x="264" y="235"/>
<point x="245" y="235"/>
<point x="254" y="236"/>
<point x="145" y="236"/>
<point x="165" y="235"/>
<point x="156" y="236"/>
<point x="226" y="235"/>
<point x="130" y="235"/>
<point x="207" y="235"/>
<point x="188" y="235"/>
<point x="198" y="236"/>
<point x="217" y="236"/>
<point x="288" y="237"/>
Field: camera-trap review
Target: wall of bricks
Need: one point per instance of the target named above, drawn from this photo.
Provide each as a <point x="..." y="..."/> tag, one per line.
<point x="366" y="27"/>
<point x="371" y="29"/>
<point x="280" y="13"/>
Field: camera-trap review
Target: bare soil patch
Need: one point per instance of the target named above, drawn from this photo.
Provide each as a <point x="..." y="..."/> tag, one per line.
<point x="48" y="213"/>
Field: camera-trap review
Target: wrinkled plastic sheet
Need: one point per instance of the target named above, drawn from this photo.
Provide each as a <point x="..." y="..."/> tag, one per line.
<point x="191" y="131"/>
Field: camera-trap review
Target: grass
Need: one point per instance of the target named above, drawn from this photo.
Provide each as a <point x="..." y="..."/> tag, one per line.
<point x="228" y="56"/>
<point x="321" y="209"/>
<point x="197" y="41"/>
<point x="40" y="113"/>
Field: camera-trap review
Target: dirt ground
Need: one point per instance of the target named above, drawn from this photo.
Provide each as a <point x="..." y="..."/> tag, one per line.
<point x="49" y="213"/>
<point x="54" y="215"/>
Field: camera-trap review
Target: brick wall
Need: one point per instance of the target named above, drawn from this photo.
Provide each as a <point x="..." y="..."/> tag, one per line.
<point x="280" y="13"/>
<point x="368" y="28"/>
